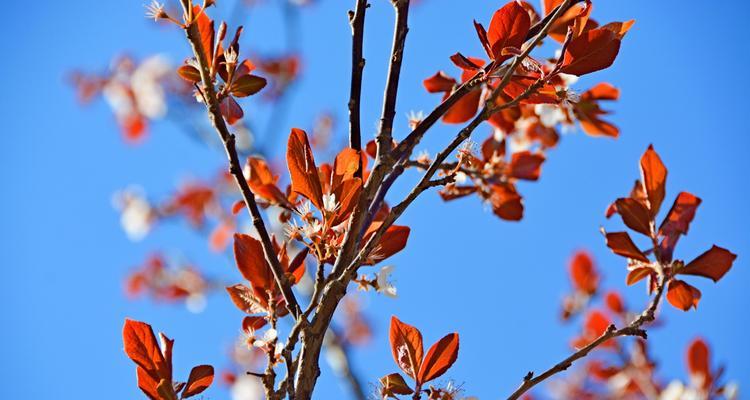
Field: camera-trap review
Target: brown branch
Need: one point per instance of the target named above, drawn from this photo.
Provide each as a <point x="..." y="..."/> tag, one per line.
<point x="633" y="329"/>
<point x="357" y="21"/>
<point x="401" y="28"/>
<point x="235" y="168"/>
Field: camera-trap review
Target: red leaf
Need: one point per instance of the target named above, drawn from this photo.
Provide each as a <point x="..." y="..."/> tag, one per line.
<point x="244" y="298"/>
<point x="583" y="273"/>
<point x="683" y="296"/>
<point x="406" y="346"/>
<point x="637" y="274"/>
<point x="200" y="379"/>
<point x="712" y="264"/>
<point x="464" y="109"/>
<point x="506" y="202"/>
<point x="594" y="50"/>
<point x="619" y="28"/>
<point x="614" y="302"/>
<point x="698" y="362"/>
<point x="141" y="347"/>
<point x="147" y="383"/>
<point x="439" y="83"/>
<point x="654" y="178"/>
<point x="247" y="85"/>
<point x="394" y="384"/>
<point x="393" y="240"/>
<point x="621" y="244"/>
<point x="250" y="259"/>
<point x="676" y="223"/>
<point x="508" y="28"/>
<point x="439" y="358"/>
<point x="526" y="165"/>
<point x="304" y="173"/>
<point x="206" y="31"/>
<point x="231" y="110"/>
<point x="634" y="215"/>
<point x="189" y="73"/>
<point x="602" y="91"/>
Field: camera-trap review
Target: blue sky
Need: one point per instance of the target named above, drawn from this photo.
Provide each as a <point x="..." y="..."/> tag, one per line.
<point x="681" y="71"/>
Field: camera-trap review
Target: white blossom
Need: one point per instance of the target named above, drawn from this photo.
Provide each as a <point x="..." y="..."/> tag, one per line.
<point x="384" y="285"/>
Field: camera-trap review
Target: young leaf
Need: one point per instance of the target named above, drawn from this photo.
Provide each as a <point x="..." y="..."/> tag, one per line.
<point x="654" y="178"/>
<point x="682" y="296"/>
<point x="302" y="168"/>
<point x="621" y="244"/>
<point x="141" y="346"/>
<point x="406" y="346"/>
<point x="634" y="215"/>
<point x="526" y="165"/>
<point x="583" y="273"/>
<point x="439" y="358"/>
<point x="680" y="215"/>
<point x="637" y="274"/>
<point x="439" y="83"/>
<point x="200" y="379"/>
<point x="394" y="384"/>
<point x="247" y="85"/>
<point x="712" y="264"/>
<point x="508" y="28"/>
<point x="250" y="259"/>
<point x="594" y="50"/>
<point x="698" y="362"/>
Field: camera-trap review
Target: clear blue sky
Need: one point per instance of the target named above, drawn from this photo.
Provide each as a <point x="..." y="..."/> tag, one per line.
<point x="682" y="73"/>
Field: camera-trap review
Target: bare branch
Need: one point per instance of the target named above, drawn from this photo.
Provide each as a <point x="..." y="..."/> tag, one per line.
<point x="633" y="329"/>
<point x="357" y="21"/>
<point x="401" y="28"/>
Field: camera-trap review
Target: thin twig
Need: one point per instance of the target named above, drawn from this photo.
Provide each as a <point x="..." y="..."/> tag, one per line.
<point x="217" y="120"/>
<point x="357" y="21"/>
<point x="633" y="329"/>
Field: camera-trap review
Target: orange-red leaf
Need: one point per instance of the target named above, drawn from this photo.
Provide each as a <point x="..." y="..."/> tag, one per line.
<point x="634" y="215"/>
<point x="621" y="244"/>
<point x="594" y="50"/>
<point x="508" y="28"/>
<point x="301" y="164"/>
<point x="206" y="31"/>
<point x="637" y="274"/>
<point x="712" y="264"/>
<point x="200" y="379"/>
<point x="682" y="295"/>
<point x="654" y="178"/>
<point x="619" y="28"/>
<point x="439" y="83"/>
<point x="680" y="215"/>
<point x="526" y="165"/>
<point x="439" y="358"/>
<point x="406" y="346"/>
<point x="583" y="273"/>
<point x="148" y="384"/>
<point x="231" y="110"/>
<point x="698" y="362"/>
<point x="506" y="202"/>
<point x="247" y="85"/>
<point x="394" y="384"/>
<point x="250" y="259"/>
<point x="189" y="73"/>
<point x="245" y="300"/>
<point x="141" y="347"/>
<point x="464" y="109"/>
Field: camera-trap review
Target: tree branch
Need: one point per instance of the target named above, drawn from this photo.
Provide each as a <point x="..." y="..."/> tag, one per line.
<point x="401" y="28"/>
<point x="357" y="22"/>
<point x="235" y="168"/>
<point x="633" y="329"/>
